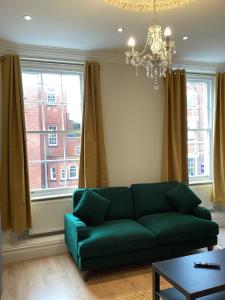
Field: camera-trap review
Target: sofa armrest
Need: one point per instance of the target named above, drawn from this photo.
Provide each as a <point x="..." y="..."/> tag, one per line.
<point x="202" y="212"/>
<point x="75" y="231"/>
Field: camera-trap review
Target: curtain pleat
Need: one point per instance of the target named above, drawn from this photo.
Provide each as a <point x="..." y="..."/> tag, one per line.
<point x="93" y="166"/>
<point x="175" y="151"/>
<point x="14" y="179"/>
<point x="219" y="141"/>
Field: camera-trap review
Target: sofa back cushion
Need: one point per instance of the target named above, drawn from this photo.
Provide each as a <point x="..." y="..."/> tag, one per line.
<point x="121" y="204"/>
<point x="150" y="198"/>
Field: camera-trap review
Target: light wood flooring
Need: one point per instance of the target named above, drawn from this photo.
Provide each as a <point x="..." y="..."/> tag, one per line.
<point x="57" y="278"/>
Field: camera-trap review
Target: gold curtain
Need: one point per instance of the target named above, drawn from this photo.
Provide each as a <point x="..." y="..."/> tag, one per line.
<point x="175" y="151"/>
<point x="93" y="167"/>
<point x="219" y="141"/>
<point x="14" y="181"/>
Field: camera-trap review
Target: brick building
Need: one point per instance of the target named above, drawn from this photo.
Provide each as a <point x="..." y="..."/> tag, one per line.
<point x="53" y="136"/>
<point x="198" y="137"/>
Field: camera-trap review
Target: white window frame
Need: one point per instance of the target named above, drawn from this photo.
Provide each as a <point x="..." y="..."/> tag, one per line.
<point x="53" y="174"/>
<point x="53" y="67"/>
<point x="77" y="150"/>
<point x="210" y="81"/>
<point x="51" y="93"/>
<point x="76" y="172"/>
<point x="52" y="135"/>
<point x="63" y="171"/>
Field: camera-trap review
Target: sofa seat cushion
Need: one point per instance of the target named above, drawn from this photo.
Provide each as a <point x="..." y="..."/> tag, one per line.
<point x="173" y="227"/>
<point x="116" y="236"/>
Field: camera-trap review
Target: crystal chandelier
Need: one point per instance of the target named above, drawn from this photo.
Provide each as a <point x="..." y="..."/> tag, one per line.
<point x="157" y="54"/>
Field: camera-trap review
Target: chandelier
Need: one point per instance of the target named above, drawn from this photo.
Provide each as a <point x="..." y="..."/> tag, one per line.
<point x="157" y="54"/>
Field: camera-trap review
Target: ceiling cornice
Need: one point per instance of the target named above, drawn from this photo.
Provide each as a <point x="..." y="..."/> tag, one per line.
<point x="103" y="56"/>
<point x="60" y="54"/>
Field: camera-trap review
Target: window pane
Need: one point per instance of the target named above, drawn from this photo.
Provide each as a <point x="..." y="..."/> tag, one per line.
<point x="198" y="105"/>
<point x="53" y="116"/>
<point x="73" y="147"/>
<point x="72" y="173"/>
<point x="35" y="146"/>
<point x="199" y="149"/>
<point x="54" y="146"/>
<point x="33" y="116"/>
<point x="37" y="175"/>
<point x="32" y="89"/>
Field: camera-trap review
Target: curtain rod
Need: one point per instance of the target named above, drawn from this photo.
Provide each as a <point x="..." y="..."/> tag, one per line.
<point x="200" y="73"/>
<point x="26" y="59"/>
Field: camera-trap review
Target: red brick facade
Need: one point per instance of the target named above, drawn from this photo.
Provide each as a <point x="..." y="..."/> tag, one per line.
<point x="49" y="152"/>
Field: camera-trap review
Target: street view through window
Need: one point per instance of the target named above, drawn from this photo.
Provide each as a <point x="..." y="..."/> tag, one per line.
<point x="52" y="103"/>
<point x="200" y="128"/>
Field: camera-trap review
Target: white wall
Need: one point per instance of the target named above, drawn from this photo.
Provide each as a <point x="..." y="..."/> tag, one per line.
<point x="133" y="124"/>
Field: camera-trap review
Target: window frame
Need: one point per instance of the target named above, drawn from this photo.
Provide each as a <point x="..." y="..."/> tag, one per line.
<point x="53" y="67"/>
<point x="211" y="81"/>
<point x="76" y="172"/>
<point x="77" y="152"/>
<point x="50" y="135"/>
<point x="53" y="176"/>
<point x="51" y="93"/>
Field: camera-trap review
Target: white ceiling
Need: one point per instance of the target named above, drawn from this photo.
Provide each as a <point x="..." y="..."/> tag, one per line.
<point x="92" y="24"/>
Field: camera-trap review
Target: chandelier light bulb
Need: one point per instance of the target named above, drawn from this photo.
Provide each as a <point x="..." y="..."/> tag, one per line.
<point x="131" y="42"/>
<point x="167" y="32"/>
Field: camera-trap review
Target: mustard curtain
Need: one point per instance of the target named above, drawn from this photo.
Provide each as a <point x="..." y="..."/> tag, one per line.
<point x="175" y="151"/>
<point x="93" y="167"/>
<point x="219" y="141"/>
<point x="14" y="181"/>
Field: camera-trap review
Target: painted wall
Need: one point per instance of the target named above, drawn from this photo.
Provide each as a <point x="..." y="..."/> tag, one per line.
<point x="133" y="124"/>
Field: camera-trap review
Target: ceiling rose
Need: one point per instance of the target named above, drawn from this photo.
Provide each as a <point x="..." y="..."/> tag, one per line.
<point x="147" y="5"/>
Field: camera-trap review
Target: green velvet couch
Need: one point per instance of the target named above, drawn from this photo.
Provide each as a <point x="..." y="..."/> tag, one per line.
<point x="140" y="225"/>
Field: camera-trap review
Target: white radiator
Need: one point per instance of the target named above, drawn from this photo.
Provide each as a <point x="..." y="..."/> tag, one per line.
<point x="48" y="215"/>
<point x="204" y="192"/>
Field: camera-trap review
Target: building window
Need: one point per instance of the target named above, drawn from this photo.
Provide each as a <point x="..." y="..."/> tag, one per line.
<point x="63" y="174"/>
<point x="191" y="167"/>
<point x="47" y="128"/>
<point x="73" y="172"/>
<point x="53" y="174"/>
<point x="77" y="150"/>
<point x="51" y="98"/>
<point x="52" y="137"/>
<point x="200" y="100"/>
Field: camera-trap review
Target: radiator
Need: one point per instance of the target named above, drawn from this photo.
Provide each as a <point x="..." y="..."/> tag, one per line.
<point x="204" y="192"/>
<point x="48" y="215"/>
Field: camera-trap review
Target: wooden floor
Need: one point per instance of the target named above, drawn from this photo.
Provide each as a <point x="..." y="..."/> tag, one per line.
<point x="57" y="278"/>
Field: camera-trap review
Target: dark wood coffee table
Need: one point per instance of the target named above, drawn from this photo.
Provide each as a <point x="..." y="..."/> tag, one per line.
<point x="189" y="282"/>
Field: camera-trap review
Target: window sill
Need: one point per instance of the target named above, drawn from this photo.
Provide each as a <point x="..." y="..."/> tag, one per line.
<point x="54" y="197"/>
<point x="201" y="182"/>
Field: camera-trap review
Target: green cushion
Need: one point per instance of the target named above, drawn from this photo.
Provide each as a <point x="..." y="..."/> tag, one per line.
<point x="121" y="204"/>
<point x="92" y="208"/>
<point x="150" y="197"/>
<point x="182" y="198"/>
<point x="173" y="227"/>
<point x="116" y="236"/>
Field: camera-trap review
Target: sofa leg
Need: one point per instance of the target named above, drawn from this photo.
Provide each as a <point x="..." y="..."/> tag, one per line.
<point x="210" y="248"/>
<point x="85" y="275"/>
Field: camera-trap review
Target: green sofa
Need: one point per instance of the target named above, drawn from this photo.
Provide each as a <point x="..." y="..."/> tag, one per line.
<point x="140" y="225"/>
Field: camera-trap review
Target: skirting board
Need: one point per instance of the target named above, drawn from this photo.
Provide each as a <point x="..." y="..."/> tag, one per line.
<point x="13" y="253"/>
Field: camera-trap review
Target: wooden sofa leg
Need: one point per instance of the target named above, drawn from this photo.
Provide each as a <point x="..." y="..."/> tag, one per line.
<point x="85" y="275"/>
<point x="210" y="248"/>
